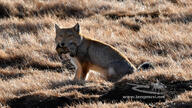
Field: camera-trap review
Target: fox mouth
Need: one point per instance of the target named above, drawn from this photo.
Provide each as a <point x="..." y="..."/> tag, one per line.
<point x="61" y="49"/>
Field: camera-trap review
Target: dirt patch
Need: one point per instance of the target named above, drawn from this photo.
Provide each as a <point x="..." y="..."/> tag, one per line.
<point x="79" y="93"/>
<point x="132" y="26"/>
<point x="180" y="104"/>
<point x="125" y="90"/>
<point x="38" y="100"/>
<point x="7" y="76"/>
<point x="5" y="10"/>
<point x="23" y="62"/>
<point x="153" y="14"/>
<point x="61" y="10"/>
<point x="161" y="48"/>
<point x="117" y="15"/>
<point x="145" y="90"/>
<point x="26" y="27"/>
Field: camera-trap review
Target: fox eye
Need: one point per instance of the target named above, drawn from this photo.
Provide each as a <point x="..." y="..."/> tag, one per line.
<point x="61" y="44"/>
<point x="71" y="43"/>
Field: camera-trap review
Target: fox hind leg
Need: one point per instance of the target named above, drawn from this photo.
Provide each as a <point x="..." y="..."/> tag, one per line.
<point x="78" y="73"/>
<point x="112" y="74"/>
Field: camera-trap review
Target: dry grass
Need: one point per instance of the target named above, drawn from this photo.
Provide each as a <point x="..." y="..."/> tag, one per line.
<point x="32" y="75"/>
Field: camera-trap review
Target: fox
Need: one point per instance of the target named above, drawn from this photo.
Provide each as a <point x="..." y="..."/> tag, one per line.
<point x="89" y="54"/>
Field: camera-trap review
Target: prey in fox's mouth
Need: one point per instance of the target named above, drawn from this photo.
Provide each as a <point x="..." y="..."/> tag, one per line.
<point x="61" y="49"/>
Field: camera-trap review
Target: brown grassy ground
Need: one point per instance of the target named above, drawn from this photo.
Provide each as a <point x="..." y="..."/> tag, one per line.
<point x="32" y="75"/>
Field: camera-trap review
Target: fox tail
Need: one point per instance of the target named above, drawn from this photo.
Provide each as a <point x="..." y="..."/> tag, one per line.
<point x="145" y="66"/>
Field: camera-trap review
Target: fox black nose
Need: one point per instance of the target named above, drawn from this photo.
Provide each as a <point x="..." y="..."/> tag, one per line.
<point x="62" y="44"/>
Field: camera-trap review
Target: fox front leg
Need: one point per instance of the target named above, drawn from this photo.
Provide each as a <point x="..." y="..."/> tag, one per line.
<point x="78" y="68"/>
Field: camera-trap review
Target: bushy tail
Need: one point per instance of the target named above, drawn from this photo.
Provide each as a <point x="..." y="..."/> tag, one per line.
<point x="145" y="66"/>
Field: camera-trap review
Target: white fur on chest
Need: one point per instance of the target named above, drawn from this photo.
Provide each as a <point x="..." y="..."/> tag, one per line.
<point x="74" y="61"/>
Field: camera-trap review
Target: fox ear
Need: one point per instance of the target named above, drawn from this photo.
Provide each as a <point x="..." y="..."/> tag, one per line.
<point x="57" y="27"/>
<point x="76" y="28"/>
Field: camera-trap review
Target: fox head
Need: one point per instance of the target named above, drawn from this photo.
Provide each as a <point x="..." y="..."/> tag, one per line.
<point x="66" y="36"/>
